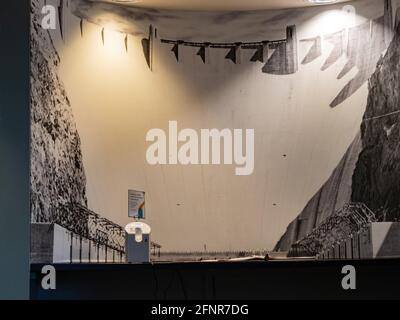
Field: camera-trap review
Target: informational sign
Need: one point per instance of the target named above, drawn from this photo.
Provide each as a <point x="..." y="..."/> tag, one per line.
<point x="136" y="202"/>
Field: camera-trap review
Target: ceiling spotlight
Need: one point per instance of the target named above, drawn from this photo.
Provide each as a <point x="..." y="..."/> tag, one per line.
<point x="322" y="1"/>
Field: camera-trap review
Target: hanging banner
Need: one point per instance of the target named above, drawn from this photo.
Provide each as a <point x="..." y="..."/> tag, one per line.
<point x="136" y="202"/>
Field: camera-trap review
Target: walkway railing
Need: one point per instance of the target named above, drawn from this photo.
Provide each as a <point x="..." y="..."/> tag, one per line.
<point x="352" y="218"/>
<point x="86" y="224"/>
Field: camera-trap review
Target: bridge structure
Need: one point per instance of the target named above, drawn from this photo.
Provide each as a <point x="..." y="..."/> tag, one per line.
<point x="86" y="224"/>
<point x="352" y="218"/>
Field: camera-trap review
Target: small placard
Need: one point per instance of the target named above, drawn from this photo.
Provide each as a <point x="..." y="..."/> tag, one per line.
<point x="136" y="202"/>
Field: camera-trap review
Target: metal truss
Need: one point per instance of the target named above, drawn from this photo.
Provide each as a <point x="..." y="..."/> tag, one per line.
<point x="85" y="223"/>
<point x="352" y="218"/>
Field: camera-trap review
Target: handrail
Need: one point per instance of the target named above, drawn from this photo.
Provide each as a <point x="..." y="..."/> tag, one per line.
<point x="86" y="223"/>
<point x="350" y="219"/>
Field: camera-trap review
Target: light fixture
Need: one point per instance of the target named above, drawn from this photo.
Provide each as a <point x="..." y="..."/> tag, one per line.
<point x="138" y="234"/>
<point x="322" y="1"/>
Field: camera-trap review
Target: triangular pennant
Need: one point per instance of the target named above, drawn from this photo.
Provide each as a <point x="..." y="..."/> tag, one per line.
<point x="146" y="50"/>
<point x="315" y="50"/>
<point x="147" y="45"/>
<point x="233" y="54"/>
<point x="337" y="40"/>
<point x="202" y="53"/>
<point x="60" y="17"/>
<point x="81" y="27"/>
<point x="175" y="50"/>
<point x="258" y="55"/>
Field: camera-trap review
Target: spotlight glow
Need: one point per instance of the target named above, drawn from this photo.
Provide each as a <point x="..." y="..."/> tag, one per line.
<point x="322" y="1"/>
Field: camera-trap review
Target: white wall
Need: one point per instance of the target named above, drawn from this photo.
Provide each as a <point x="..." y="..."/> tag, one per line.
<point x="116" y="100"/>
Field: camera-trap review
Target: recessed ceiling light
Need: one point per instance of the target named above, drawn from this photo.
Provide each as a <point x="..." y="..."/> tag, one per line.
<point x="322" y="1"/>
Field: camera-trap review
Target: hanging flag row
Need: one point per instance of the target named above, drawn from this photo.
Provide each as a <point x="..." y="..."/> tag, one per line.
<point x="279" y="56"/>
<point x="261" y="48"/>
<point x="147" y="43"/>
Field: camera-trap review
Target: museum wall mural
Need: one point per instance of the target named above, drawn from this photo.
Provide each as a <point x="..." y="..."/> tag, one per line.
<point x="251" y="131"/>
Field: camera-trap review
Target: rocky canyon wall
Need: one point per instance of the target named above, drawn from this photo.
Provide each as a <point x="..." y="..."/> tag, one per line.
<point x="57" y="173"/>
<point x="370" y="170"/>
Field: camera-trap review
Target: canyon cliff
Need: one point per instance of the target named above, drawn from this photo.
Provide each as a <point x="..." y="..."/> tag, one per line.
<point x="57" y="173"/>
<point x="369" y="172"/>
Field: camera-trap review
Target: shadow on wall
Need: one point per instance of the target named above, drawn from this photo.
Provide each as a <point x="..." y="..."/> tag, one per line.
<point x="387" y="241"/>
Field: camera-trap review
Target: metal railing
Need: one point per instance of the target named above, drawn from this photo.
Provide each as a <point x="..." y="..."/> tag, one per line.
<point x="85" y="223"/>
<point x="352" y="218"/>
